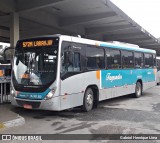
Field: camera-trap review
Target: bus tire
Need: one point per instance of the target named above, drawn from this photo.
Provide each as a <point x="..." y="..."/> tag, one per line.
<point x="88" y="100"/>
<point x="138" y="90"/>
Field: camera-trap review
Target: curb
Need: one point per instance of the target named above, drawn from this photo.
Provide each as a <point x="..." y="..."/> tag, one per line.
<point x="13" y="123"/>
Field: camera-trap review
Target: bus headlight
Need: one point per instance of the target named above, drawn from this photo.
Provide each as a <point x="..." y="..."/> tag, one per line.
<point x="13" y="92"/>
<point x="50" y="94"/>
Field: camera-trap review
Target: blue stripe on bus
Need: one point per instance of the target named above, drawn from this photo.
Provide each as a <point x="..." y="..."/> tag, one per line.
<point x="128" y="48"/>
<point x="33" y="96"/>
<point x="114" y="78"/>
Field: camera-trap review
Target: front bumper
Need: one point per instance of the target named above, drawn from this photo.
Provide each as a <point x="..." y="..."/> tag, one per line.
<point x="52" y="104"/>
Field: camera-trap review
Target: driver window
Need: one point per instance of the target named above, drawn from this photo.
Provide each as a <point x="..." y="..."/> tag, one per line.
<point x="70" y="60"/>
<point x="67" y="64"/>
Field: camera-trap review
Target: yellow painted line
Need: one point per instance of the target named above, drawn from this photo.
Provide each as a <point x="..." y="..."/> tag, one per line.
<point x="2" y="126"/>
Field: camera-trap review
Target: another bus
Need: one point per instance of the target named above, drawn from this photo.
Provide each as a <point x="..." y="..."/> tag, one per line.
<point x="158" y="70"/>
<point x="60" y="72"/>
<point x="3" y="47"/>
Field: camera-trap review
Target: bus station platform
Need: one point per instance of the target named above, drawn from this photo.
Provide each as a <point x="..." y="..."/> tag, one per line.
<point x="9" y="118"/>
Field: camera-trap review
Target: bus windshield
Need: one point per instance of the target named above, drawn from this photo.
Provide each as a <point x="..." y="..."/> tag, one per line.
<point x="35" y="66"/>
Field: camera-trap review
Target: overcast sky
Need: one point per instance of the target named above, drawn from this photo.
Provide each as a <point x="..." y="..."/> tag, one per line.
<point x="145" y="12"/>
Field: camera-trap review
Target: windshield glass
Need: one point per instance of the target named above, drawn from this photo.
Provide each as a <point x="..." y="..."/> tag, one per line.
<point x="35" y="66"/>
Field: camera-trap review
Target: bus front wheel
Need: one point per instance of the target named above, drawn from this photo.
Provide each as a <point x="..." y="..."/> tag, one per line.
<point x="138" y="90"/>
<point x="88" y="100"/>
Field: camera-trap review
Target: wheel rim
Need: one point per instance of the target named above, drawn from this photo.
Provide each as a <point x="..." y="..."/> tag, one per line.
<point x="89" y="100"/>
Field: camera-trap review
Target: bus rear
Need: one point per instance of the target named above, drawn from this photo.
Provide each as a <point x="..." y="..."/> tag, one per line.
<point x="34" y="75"/>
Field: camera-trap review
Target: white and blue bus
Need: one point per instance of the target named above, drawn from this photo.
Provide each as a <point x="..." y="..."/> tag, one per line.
<point x="60" y="72"/>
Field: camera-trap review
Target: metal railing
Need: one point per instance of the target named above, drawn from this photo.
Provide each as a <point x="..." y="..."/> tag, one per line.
<point x="4" y="89"/>
<point x="5" y="74"/>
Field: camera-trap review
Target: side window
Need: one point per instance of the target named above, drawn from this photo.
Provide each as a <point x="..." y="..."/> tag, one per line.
<point x="76" y="61"/>
<point x="138" y="60"/>
<point x="95" y="58"/>
<point x="148" y="60"/>
<point x="113" y="59"/>
<point x="127" y="59"/>
<point x="70" y="59"/>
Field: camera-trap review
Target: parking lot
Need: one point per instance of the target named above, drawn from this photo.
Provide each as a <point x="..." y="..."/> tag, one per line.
<point x="123" y="115"/>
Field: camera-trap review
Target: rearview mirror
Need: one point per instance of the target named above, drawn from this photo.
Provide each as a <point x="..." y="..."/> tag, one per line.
<point x="17" y="62"/>
<point x="8" y="54"/>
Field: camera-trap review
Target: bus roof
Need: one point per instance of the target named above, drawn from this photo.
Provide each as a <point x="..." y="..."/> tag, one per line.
<point x="114" y="45"/>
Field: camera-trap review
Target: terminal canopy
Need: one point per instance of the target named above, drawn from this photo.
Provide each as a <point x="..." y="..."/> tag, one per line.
<point x="93" y="19"/>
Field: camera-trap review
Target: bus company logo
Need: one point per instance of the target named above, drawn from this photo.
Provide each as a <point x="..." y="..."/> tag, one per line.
<point x="112" y="78"/>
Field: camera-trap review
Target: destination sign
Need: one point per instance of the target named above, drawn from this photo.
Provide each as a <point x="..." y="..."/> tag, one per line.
<point x="38" y="43"/>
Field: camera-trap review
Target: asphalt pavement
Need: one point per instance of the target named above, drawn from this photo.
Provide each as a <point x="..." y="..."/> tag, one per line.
<point x="122" y="115"/>
<point x="9" y="118"/>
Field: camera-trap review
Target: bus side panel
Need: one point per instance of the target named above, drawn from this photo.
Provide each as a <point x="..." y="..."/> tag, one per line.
<point x="110" y="79"/>
<point x="117" y="83"/>
<point x="112" y="83"/>
<point x="149" y="78"/>
<point x="148" y="85"/>
<point x="116" y="92"/>
<point x="105" y="93"/>
<point x="129" y="80"/>
<point x="73" y="88"/>
<point x="124" y="90"/>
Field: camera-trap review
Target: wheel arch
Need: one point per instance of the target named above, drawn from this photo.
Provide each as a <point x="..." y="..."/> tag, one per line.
<point x="95" y="90"/>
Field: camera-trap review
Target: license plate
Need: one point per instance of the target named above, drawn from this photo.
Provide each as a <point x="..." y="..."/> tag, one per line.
<point x="26" y="106"/>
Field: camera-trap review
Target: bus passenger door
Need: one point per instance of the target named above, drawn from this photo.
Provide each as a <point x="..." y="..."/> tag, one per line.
<point x="71" y="77"/>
